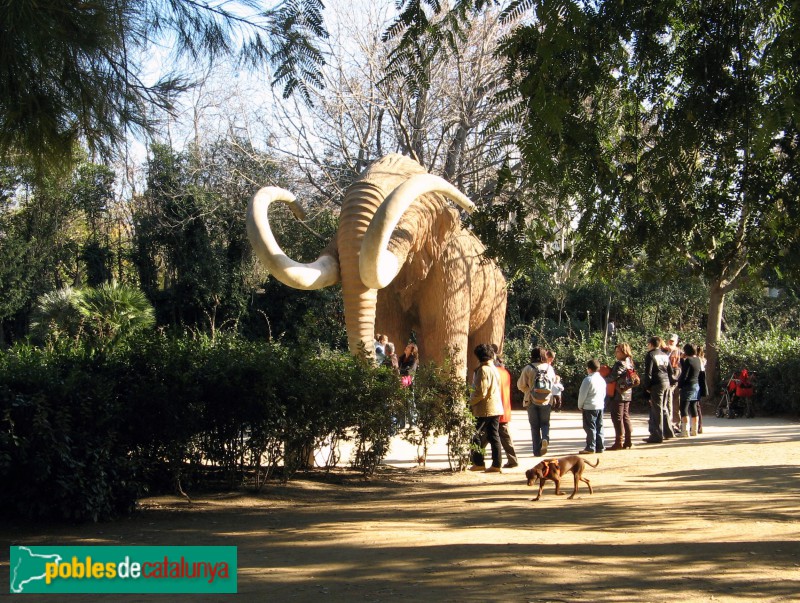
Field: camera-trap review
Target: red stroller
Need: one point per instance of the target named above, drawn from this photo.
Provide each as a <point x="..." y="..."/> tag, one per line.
<point x="737" y="397"/>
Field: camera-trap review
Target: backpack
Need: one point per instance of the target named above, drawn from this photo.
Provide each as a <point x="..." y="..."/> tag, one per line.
<point x="611" y="387"/>
<point x="629" y="380"/>
<point x="542" y="386"/>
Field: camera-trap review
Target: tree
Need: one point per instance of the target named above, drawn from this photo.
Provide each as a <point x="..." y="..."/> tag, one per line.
<point x="673" y="130"/>
<point x="72" y="70"/>
<point x="56" y="232"/>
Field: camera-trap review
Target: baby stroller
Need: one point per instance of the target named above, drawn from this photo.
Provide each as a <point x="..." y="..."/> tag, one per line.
<point x="737" y="397"/>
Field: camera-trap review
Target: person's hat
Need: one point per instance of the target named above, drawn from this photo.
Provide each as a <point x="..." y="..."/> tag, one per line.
<point x="673" y="338"/>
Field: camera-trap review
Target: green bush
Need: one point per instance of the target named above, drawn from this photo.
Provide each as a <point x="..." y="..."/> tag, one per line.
<point x="440" y="401"/>
<point x="61" y="454"/>
<point x="85" y="433"/>
<point x="774" y="357"/>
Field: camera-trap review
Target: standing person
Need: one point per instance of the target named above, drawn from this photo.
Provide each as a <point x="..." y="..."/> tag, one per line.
<point x="558" y="388"/>
<point x="380" y="347"/>
<point x="620" y="403"/>
<point x="689" y="384"/>
<point x="591" y="402"/>
<point x="408" y="363"/>
<point x="701" y="354"/>
<point x="655" y="382"/>
<point x="674" y="398"/>
<point x="611" y="331"/>
<point x="505" y="395"/>
<point x="536" y="382"/>
<point x="487" y="406"/>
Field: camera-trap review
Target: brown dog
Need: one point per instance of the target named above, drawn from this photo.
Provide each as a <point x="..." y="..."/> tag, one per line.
<point x="555" y="468"/>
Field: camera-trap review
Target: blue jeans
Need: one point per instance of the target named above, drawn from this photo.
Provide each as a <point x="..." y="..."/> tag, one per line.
<point x="593" y="426"/>
<point x="539" y="418"/>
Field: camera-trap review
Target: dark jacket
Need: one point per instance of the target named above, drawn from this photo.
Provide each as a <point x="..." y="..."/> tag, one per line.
<point x="408" y="365"/>
<point x="690" y="371"/>
<point x="656" y="370"/>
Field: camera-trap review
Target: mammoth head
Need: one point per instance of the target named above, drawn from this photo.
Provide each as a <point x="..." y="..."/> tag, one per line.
<point x="376" y="235"/>
<point x="378" y="265"/>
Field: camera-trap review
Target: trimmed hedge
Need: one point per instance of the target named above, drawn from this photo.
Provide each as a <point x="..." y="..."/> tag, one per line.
<point x="83" y="435"/>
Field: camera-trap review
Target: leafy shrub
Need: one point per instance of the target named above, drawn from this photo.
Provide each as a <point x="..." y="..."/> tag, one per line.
<point x="774" y="357"/>
<point x="60" y="451"/>
<point x="84" y="432"/>
<point x="441" y="409"/>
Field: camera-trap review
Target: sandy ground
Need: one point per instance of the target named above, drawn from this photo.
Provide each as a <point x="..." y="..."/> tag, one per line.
<point x="713" y="518"/>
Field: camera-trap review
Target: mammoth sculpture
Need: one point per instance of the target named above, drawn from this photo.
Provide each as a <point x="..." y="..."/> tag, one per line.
<point x="404" y="262"/>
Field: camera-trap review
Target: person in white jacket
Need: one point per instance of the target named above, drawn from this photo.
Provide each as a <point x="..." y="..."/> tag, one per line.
<point x="591" y="402"/>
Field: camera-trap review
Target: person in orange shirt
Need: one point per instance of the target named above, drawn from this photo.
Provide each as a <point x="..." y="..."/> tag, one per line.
<point x="505" y="394"/>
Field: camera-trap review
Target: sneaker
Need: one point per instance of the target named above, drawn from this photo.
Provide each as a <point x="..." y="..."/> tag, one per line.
<point x="494" y="470"/>
<point x="651" y="441"/>
<point x="544" y="446"/>
<point x="510" y="465"/>
<point x="477" y="468"/>
<point x="586" y="451"/>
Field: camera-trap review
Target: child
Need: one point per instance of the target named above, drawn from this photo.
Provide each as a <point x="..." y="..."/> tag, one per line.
<point x="591" y="402"/>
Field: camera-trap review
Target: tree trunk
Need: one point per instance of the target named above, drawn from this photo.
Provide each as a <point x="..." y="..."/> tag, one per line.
<point x="716" y="301"/>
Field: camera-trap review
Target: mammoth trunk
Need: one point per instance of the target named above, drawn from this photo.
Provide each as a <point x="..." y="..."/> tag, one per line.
<point x="359" y="300"/>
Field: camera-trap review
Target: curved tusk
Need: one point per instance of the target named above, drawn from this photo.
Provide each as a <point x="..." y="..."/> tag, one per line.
<point x="377" y="265"/>
<point x="321" y="273"/>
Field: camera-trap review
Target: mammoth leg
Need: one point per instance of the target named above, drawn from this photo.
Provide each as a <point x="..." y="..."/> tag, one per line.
<point x="491" y="331"/>
<point x="485" y="334"/>
<point x="444" y="315"/>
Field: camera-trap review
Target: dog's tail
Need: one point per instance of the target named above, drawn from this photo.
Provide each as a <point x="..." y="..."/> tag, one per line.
<point x="595" y="465"/>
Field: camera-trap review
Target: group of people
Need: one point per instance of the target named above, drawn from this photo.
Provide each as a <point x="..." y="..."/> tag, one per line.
<point x="405" y="365"/>
<point x="673" y="376"/>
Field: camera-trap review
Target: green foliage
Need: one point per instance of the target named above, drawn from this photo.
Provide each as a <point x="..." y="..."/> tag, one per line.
<point x="56" y="233"/>
<point x="56" y="315"/>
<point x="439" y="395"/>
<point x="193" y="256"/>
<point x="84" y="432"/>
<point x="774" y="358"/>
<point x="102" y="316"/>
<point x="59" y="443"/>
<point x="112" y="312"/>
<point x="659" y="126"/>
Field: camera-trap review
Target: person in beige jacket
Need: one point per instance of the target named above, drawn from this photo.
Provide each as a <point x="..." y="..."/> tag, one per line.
<point x="487" y="406"/>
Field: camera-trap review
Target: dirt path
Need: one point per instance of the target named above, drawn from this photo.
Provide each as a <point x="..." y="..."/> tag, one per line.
<point x="713" y="518"/>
